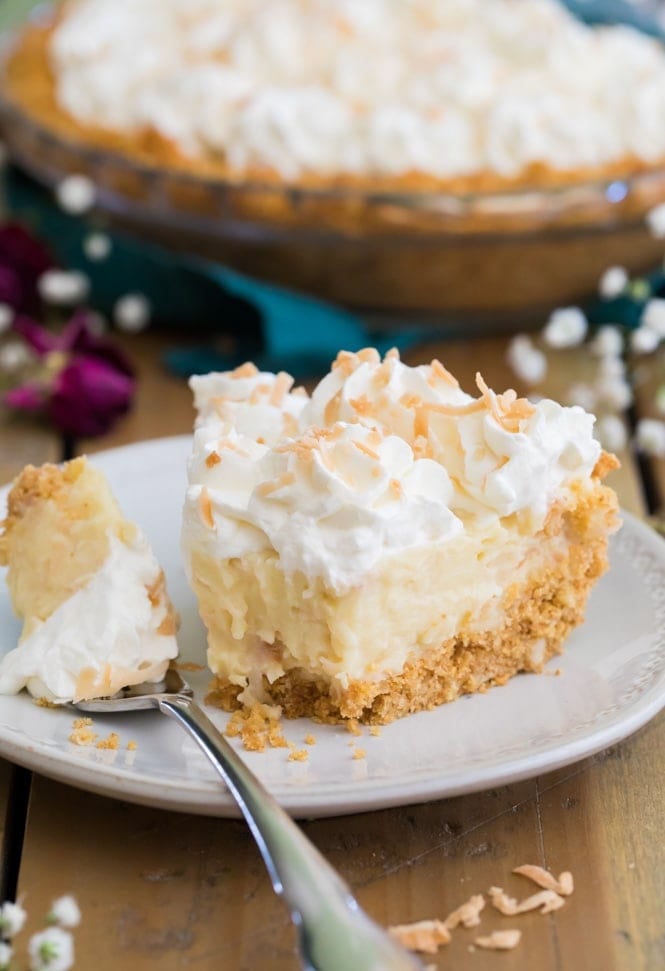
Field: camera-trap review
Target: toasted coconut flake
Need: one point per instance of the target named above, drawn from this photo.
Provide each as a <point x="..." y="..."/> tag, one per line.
<point x="391" y="355"/>
<point x="246" y="370"/>
<point x="260" y="391"/>
<point x="422" y="448"/>
<point x="563" y="884"/>
<point x="468" y="914"/>
<point x="507" y="409"/>
<point x="421" y="423"/>
<point x="298" y="755"/>
<point x="455" y="411"/>
<point x="369" y="355"/>
<point x="500" y="940"/>
<point x="424" y="936"/>
<point x="303" y="448"/>
<point x="205" y="508"/>
<point x="366" y="450"/>
<point x="439" y="371"/>
<point x="410" y="400"/>
<point x="281" y="387"/>
<point x="331" y="411"/>
<point x="545" y="900"/>
<point x="381" y="377"/>
<point x="346" y="362"/>
<point x="272" y="485"/>
<point x="213" y="459"/>
<point x="359" y="753"/>
<point x="396" y="488"/>
<point x="362" y="405"/>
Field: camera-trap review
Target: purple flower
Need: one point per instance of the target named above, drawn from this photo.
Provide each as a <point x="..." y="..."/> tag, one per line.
<point x="84" y="382"/>
<point x="23" y="259"/>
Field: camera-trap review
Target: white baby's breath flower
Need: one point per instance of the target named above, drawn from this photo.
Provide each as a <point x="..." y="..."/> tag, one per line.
<point x="6" y="952"/>
<point x="12" y="918"/>
<point x="611" y="433"/>
<point x="527" y="361"/>
<point x="653" y="316"/>
<point x="608" y="340"/>
<point x="76" y="194"/>
<point x="63" y="287"/>
<point x="6" y="317"/>
<point x="566" y="327"/>
<point x="581" y="394"/>
<point x="656" y="221"/>
<point x="650" y="437"/>
<point x="132" y="313"/>
<point x="97" y="246"/>
<point x="644" y="340"/>
<point x="612" y="366"/>
<point x="65" y="912"/>
<point x="615" y="392"/>
<point x="51" y="950"/>
<point x="613" y="282"/>
<point x="13" y="356"/>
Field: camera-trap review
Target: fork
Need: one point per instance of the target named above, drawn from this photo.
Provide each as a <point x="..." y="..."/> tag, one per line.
<point x="334" y="933"/>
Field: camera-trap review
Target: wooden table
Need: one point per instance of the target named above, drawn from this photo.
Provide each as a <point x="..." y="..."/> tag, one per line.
<point x="162" y="890"/>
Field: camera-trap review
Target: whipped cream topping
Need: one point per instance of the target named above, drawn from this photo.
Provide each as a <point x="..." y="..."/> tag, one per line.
<point x="443" y="87"/>
<point x="382" y="458"/>
<point x="104" y="637"/>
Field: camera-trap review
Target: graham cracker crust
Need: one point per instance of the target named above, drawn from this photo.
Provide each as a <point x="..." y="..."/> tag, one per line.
<point x="539" y="616"/>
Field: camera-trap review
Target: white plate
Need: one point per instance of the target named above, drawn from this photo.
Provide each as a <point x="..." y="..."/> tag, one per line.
<point x="612" y="681"/>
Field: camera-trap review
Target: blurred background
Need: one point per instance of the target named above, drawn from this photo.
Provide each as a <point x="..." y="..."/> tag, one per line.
<point x="287" y="275"/>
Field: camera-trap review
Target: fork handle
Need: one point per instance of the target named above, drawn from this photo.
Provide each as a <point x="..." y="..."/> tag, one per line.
<point x="321" y="904"/>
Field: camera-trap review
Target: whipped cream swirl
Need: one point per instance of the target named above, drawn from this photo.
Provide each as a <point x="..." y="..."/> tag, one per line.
<point x="341" y="87"/>
<point x="382" y="458"/>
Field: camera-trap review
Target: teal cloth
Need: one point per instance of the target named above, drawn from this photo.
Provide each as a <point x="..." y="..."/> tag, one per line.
<point x="615" y="12"/>
<point x="277" y="328"/>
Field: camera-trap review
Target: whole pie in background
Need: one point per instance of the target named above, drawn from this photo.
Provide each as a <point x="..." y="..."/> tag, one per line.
<point x="456" y="94"/>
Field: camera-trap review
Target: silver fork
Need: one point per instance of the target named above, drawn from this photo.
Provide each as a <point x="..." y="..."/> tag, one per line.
<point x="334" y="933"/>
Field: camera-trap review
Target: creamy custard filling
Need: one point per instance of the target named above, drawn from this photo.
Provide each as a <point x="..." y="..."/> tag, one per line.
<point x="268" y="622"/>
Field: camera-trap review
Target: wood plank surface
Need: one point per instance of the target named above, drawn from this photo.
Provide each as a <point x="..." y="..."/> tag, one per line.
<point x="163" y="890"/>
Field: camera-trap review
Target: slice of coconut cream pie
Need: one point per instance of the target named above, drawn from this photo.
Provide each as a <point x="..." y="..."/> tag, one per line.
<point x="390" y="542"/>
<point x="84" y="580"/>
